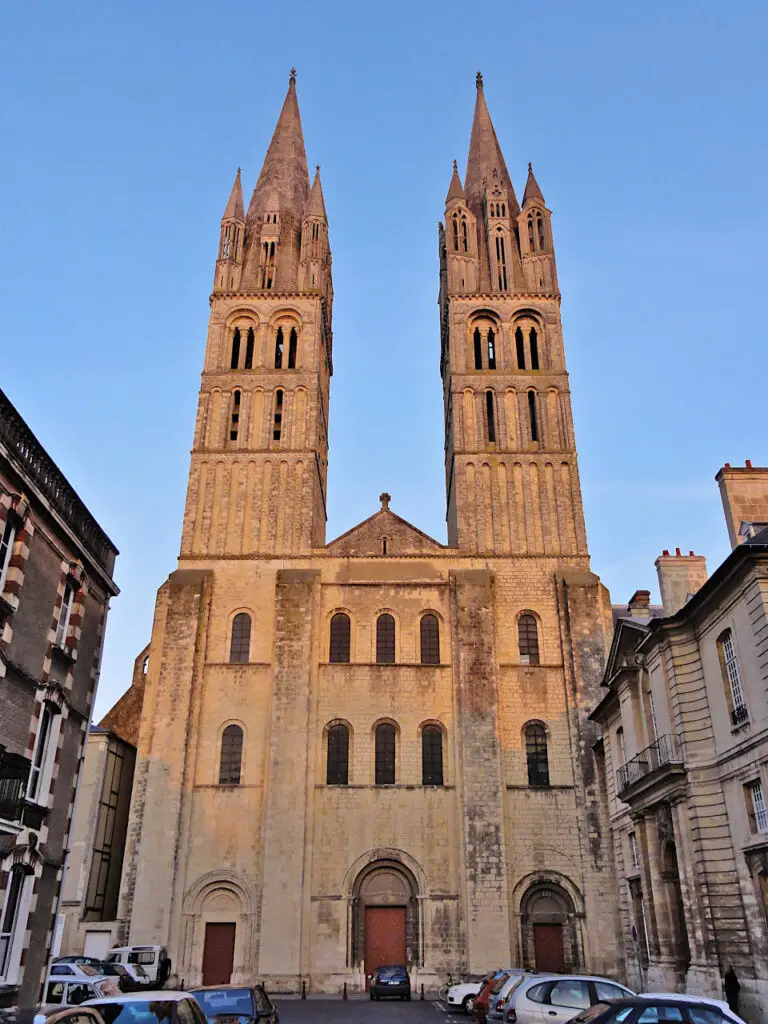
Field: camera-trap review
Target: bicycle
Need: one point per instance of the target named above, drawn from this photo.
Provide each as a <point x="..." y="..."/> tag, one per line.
<point x="442" y="992"/>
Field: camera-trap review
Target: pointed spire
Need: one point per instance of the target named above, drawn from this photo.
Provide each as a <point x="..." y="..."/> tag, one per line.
<point x="285" y="165"/>
<point x="485" y="154"/>
<point x="532" y="191"/>
<point x="316" y="202"/>
<point x="455" y="189"/>
<point x="234" y="208"/>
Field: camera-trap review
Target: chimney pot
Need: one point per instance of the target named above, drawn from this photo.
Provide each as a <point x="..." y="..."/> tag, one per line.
<point x="665" y="553"/>
<point x="690" y="554"/>
<point x="677" y="552"/>
<point x="727" y="465"/>
<point x="749" y="464"/>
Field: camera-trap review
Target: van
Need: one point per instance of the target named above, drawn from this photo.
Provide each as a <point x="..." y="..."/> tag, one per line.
<point x="154" y="960"/>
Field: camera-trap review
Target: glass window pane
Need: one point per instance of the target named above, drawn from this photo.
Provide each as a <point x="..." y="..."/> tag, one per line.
<point x="570" y="993"/>
<point x="231" y="756"/>
<point x="385" y="639"/>
<point x="385" y="755"/>
<point x="340" y="638"/>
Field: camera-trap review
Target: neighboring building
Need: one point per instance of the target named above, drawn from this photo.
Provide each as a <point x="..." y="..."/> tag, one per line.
<point x="378" y="747"/>
<point x="56" y="566"/>
<point x="685" y="727"/>
<point x="94" y="864"/>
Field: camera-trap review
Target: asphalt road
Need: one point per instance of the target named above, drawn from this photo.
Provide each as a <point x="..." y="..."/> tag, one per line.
<point x="357" y="1011"/>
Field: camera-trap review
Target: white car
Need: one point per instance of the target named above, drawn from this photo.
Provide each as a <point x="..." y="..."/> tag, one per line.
<point x="557" y="998"/>
<point x="158" y="1006"/>
<point x="463" y="994"/>
<point x="60" y="992"/>
<point x="721" y="1004"/>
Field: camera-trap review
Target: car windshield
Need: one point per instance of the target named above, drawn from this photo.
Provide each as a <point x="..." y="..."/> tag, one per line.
<point x="225" y="1002"/>
<point x="150" y="1011"/>
<point x="499" y="984"/>
<point x="591" y="1012"/>
<point x="387" y="973"/>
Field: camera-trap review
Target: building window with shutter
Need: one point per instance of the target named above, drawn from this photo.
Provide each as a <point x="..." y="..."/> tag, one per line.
<point x="340" y="638"/>
<point x="384" y="751"/>
<point x="431" y="755"/>
<point x="528" y="639"/>
<point x="729" y="667"/>
<point x="231" y="759"/>
<point x="44" y="753"/>
<point x="337" y="759"/>
<point x="757" y="812"/>
<point x="536" y="755"/>
<point x="6" y="550"/>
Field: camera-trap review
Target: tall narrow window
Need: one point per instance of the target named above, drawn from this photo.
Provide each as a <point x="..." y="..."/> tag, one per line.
<point x="249" y="350"/>
<point x="64" y="613"/>
<point x="235" y="360"/>
<point x="6" y="550"/>
<point x="490" y="417"/>
<point x="491" y="349"/>
<point x="531" y="236"/>
<point x="528" y="639"/>
<point x="534" y="340"/>
<point x="269" y="270"/>
<point x="634" y="853"/>
<point x="536" y="755"/>
<point x="501" y="262"/>
<point x="385" y="639"/>
<point x="464" y="237"/>
<point x="240" y="643"/>
<point x="532" y="415"/>
<point x="293" y="342"/>
<point x="277" y="426"/>
<point x="279" y="349"/>
<point x="540" y="231"/>
<point x="478" y="349"/>
<point x="429" y="635"/>
<point x="520" y="346"/>
<point x="234" y="424"/>
<point x="620" y="745"/>
<point x="337" y="762"/>
<point x="340" y="638"/>
<point x="729" y="666"/>
<point x="431" y="755"/>
<point x="456" y="232"/>
<point x="385" y="754"/>
<point x="40" y="757"/>
<point x="231" y="759"/>
<point x="756" y="809"/>
<point x="10" y="918"/>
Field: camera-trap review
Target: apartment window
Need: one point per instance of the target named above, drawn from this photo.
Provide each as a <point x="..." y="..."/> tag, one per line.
<point x="340" y="638"/>
<point x="11" y="920"/>
<point x="431" y="755"/>
<point x="385" y="639"/>
<point x="384" y="745"/>
<point x="732" y="677"/>
<point x="536" y="755"/>
<point x="634" y="855"/>
<point x="757" y="812"/>
<point x="429" y="630"/>
<point x="528" y="639"/>
<point x="620" y="745"/>
<point x="337" y="764"/>
<point x="40" y="757"/>
<point x="64" y="613"/>
<point x="240" y="645"/>
<point x="6" y="550"/>
<point x="231" y="759"/>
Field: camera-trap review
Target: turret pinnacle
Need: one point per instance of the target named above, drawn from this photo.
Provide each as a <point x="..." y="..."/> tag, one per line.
<point x="455" y="189"/>
<point x="532" y="191"/>
<point x="485" y="155"/>
<point x="234" y="208"/>
<point x="316" y="202"/>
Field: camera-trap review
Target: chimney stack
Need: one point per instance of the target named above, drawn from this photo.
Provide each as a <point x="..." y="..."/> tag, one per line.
<point x="639" y="606"/>
<point x="680" y="576"/>
<point x="744" y="491"/>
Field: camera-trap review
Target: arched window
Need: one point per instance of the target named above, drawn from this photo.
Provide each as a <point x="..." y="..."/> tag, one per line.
<point x="464" y="239"/>
<point x="340" y="638"/>
<point x="536" y="755"/>
<point x="534" y="340"/>
<point x="233" y="363"/>
<point x="277" y="426"/>
<point x="520" y="346"/>
<point x="431" y="755"/>
<point x="532" y="415"/>
<point x="490" y="417"/>
<point x="385" y="754"/>
<point x="501" y="261"/>
<point x="249" y="350"/>
<point x="528" y="639"/>
<point x="279" y="349"/>
<point x="385" y="639"/>
<point x="240" y="644"/>
<point x="456" y="232"/>
<point x="729" y="667"/>
<point x="234" y="423"/>
<point x="531" y="236"/>
<point x="292" y="346"/>
<point x="491" y="349"/>
<point x="145" y="666"/>
<point x="540" y="231"/>
<point x="231" y="758"/>
<point x="337" y="762"/>
<point x="429" y="635"/>
<point x="478" y="349"/>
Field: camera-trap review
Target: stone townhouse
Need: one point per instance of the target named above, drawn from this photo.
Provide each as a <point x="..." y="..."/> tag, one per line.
<point x="56" y="566"/>
<point x="685" y="735"/>
<point x="375" y="749"/>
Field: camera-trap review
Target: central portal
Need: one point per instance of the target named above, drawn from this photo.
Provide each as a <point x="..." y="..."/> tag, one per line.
<point x="384" y="938"/>
<point x="385" y="917"/>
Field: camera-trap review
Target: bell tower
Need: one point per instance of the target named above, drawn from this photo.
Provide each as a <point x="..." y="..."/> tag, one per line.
<point x="257" y="482"/>
<point x="510" y="456"/>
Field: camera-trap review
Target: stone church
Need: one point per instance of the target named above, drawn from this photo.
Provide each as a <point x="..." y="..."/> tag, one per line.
<point x="376" y="749"/>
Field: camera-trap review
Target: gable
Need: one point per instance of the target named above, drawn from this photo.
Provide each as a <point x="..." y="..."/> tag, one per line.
<point x="368" y="537"/>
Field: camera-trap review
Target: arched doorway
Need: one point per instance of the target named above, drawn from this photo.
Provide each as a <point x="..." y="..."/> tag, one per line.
<point x="548" y="928"/>
<point x="385" y="922"/>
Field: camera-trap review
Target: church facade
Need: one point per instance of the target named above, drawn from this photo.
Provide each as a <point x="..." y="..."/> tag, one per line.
<point x="376" y="749"/>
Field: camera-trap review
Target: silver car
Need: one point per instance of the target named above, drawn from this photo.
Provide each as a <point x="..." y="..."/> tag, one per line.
<point x="557" y="998"/>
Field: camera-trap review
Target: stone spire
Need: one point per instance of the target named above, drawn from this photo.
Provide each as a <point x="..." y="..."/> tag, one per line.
<point x="316" y="202"/>
<point x="485" y="156"/>
<point x="532" y="191"/>
<point x="234" y="208"/>
<point x="455" y="189"/>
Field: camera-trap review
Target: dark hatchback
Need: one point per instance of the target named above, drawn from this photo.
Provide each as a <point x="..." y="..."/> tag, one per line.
<point x="222" y="1003"/>
<point x="391" y="983"/>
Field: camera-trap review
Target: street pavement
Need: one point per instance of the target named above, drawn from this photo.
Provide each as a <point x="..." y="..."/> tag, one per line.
<point x="357" y="1011"/>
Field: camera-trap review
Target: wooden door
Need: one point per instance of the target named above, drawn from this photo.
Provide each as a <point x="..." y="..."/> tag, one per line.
<point x="218" y="954"/>
<point x="384" y="938"/>
<point x="548" y="947"/>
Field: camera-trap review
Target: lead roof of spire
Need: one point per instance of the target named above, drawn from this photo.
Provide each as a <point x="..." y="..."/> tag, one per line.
<point x="485" y="154"/>
<point x="285" y="166"/>
<point x="316" y="202"/>
<point x="455" y="189"/>
<point x="234" y="208"/>
<point x="532" y="190"/>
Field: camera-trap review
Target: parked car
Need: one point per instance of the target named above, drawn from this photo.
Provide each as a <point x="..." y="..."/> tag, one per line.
<point x="392" y="981"/>
<point x="62" y="991"/>
<point x="719" y="1004"/>
<point x="491" y="988"/>
<point x="156" y="1007"/>
<point x="67" y="1015"/>
<point x="132" y="976"/>
<point x="557" y="998"/>
<point x="649" y="1009"/>
<point x="497" y="1003"/>
<point x="92" y="961"/>
<point x="463" y="995"/>
<point x="85" y="972"/>
<point x="234" y="1001"/>
<point x="154" y="960"/>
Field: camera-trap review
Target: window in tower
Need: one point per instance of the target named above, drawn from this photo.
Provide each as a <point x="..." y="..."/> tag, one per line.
<point x="340" y="638"/>
<point x="456" y="232"/>
<point x="270" y="268"/>
<point x="520" y="346"/>
<point x="385" y="639"/>
<point x="478" y="349"/>
<point x="431" y="755"/>
<point x="279" y="349"/>
<point x="234" y="424"/>
<point x="233" y="363"/>
<point x="464" y="239"/>
<point x="540" y="231"/>
<point x="503" y="209"/>
<point x="384" y="746"/>
<point x="231" y="756"/>
<point x="240" y="641"/>
<point x="491" y="349"/>
<point x="536" y="754"/>
<point x="531" y="237"/>
<point x="337" y="758"/>
<point x="490" y="417"/>
<point x="532" y="415"/>
<point x="292" y="346"/>
<point x="534" y="340"/>
<point x="249" y="349"/>
<point x="278" y="418"/>
<point x="429" y="635"/>
<point x="528" y="639"/>
<point x="501" y="262"/>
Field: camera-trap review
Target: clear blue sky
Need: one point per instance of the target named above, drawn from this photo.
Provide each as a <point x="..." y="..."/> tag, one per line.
<point x="122" y="125"/>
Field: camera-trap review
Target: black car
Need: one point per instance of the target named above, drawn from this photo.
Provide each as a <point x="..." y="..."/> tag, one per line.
<point x="391" y="981"/>
<point x="652" y="1011"/>
<point x="237" y="1003"/>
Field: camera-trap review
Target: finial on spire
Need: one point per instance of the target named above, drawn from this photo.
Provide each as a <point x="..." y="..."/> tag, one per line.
<point x="317" y="168"/>
<point x="479" y="80"/>
<point x="385" y="499"/>
<point x="455" y="166"/>
<point x="293" y="75"/>
<point x="530" y="167"/>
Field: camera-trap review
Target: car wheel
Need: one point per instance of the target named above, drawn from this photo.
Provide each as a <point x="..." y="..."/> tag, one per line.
<point x="469" y="1004"/>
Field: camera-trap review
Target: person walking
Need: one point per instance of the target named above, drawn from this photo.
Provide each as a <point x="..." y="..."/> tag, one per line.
<point x="732" y="987"/>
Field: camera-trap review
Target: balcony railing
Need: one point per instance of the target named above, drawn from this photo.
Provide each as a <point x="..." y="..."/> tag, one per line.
<point x="14" y="772"/>
<point x="664" y="751"/>
<point x="739" y="714"/>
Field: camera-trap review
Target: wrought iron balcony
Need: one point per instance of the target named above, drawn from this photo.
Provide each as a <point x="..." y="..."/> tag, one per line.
<point x="664" y="751"/>
<point x="14" y="772"/>
<point x="739" y="714"/>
